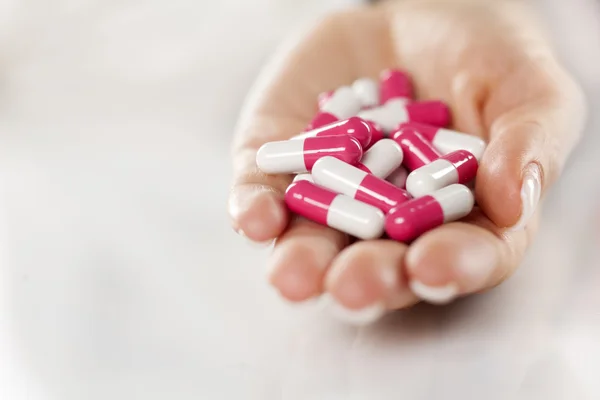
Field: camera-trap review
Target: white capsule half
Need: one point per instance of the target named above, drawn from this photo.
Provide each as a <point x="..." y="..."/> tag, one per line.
<point x="383" y="158"/>
<point x="456" y="201"/>
<point x="281" y="157"/>
<point x="447" y="141"/>
<point x="304" y="177"/>
<point x="338" y="176"/>
<point x="387" y="116"/>
<point x="343" y="103"/>
<point x="355" y="218"/>
<point x="431" y="177"/>
<point x="367" y="91"/>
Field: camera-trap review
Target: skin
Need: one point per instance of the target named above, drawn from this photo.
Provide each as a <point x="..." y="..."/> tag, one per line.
<point x="492" y="64"/>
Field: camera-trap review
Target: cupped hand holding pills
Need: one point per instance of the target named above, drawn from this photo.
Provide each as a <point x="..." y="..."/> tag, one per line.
<point x="368" y="243"/>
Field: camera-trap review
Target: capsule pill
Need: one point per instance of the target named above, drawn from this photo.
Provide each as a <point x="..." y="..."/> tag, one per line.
<point x="294" y="156"/>
<point x="457" y="167"/>
<point x="447" y="141"/>
<point x="413" y="218"/>
<point x="340" y="177"/>
<point x="335" y="210"/>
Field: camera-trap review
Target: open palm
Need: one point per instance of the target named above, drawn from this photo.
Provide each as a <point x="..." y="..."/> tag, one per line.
<point x="496" y="71"/>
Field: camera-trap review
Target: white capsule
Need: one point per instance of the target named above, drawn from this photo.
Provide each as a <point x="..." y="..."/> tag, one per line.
<point x="447" y="141"/>
<point x="343" y="103"/>
<point x="383" y="158"/>
<point x="367" y="91"/>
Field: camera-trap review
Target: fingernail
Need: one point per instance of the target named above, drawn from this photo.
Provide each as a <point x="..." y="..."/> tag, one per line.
<point x="257" y="213"/>
<point x="258" y="245"/>
<point x="311" y="302"/>
<point x="530" y="195"/>
<point x="360" y="317"/>
<point x="295" y="284"/>
<point x="362" y="286"/>
<point x="435" y="294"/>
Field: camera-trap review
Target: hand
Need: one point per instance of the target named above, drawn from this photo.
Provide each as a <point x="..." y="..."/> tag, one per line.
<point x="494" y="68"/>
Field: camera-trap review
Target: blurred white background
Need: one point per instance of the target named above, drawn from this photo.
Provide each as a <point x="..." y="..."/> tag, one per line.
<point x="120" y="278"/>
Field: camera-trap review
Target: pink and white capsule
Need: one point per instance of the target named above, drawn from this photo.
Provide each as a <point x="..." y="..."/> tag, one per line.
<point x="342" y="104"/>
<point x="447" y="141"/>
<point x="343" y="178"/>
<point x="291" y="156"/>
<point x="456" y="167"/>
<point x="335" y="210"/>
<point x="417" y="150"/>
<point x="396" y="86"/>
<point x="411" y="219"/>
<point x="367" y="91"/>
<point x="390" y="115"/>
<point x="357" y="128"/>
<point x="383" y="158"/>
<point x="398" y="177"/>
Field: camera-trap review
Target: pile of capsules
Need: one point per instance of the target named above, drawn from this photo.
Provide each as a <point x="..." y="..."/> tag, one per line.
<point x="375" y="162"/>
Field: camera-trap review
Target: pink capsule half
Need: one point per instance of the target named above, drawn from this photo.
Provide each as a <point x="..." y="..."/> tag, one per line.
<point x="447" y="141"/>
<point x="354" y="126"/>
<point x="335" y="210"/>
<point x="456" y="167"/>
<point x="383" y="158"/>
<point x="342" y="104"/>
<point x="411" y="219"/>
<point x="417" y="150"/>
<point x="343" y="178"/>
<point x="395" y="84"/>
<point x="433" y="112"/>
<point x="291" y="156"/>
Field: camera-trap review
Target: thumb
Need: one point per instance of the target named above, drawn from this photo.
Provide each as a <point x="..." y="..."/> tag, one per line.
<point x="528" y="148"/>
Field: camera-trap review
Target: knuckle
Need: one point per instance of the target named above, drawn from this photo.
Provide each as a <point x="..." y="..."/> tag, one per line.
<point x="263" y="128"/>
<point x="555" y="158"/>
<point x="254" y="177"/>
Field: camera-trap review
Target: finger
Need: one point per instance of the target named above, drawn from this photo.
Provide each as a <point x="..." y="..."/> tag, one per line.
<point x="256" y="204"/>
<point x="301" y="257"/>
<point x="529" y="143"/>
<point x="366" y="280"/>
<point x="464" y="257"/>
